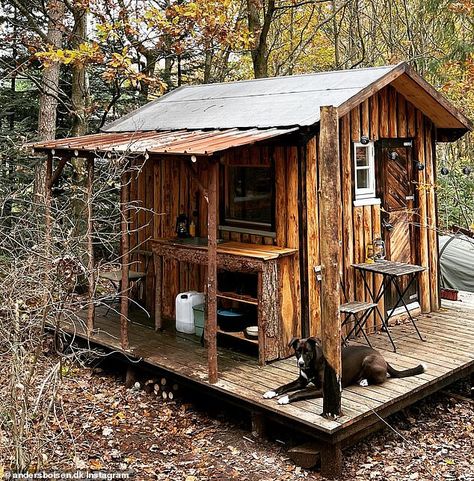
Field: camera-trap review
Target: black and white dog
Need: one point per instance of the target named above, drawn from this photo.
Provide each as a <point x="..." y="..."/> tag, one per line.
<point x="360" y="365"/>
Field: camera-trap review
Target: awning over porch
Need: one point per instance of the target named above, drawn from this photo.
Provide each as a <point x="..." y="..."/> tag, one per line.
<point x="190" y="142"/>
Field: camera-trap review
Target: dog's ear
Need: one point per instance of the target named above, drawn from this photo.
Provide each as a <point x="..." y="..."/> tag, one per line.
<point x="314" y="342"/>
<point x="293" y="342"/>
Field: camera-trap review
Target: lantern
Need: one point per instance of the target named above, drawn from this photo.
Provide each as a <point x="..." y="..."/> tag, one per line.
<point x="182" y="226"/>
<point x="379" y="249"/>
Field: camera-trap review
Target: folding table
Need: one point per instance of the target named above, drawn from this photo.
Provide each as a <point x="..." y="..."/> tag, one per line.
<point x="392" y="273"/>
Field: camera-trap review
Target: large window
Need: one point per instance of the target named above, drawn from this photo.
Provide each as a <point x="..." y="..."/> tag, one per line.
<point x="364" y="168"/>
<point x="249" y="197"/>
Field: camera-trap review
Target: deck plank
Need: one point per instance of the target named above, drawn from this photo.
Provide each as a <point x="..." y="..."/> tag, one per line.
<point x="447" y="352"/>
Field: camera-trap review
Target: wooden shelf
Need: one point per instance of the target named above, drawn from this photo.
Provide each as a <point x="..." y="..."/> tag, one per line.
<point x="233" y="296"/>
<point x="238" y="335"/>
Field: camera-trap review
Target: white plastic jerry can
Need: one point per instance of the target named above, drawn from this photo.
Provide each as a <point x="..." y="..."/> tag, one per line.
<point x="184" y="310"/>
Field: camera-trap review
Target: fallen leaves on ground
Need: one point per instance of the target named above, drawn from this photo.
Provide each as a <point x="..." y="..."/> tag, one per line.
<point x="101" y="425"/>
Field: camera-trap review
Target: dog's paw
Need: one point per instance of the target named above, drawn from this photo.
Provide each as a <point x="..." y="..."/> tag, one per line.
<point x="424" y="366"/>
<point x="270" y="395"/>
<point x="363" y="383"/>
<point x="284" y="400"/>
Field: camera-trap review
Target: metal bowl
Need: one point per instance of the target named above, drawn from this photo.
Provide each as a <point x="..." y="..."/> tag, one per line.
<point x="230" y="320"/>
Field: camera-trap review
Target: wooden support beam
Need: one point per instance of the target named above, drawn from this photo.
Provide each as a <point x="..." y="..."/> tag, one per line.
<point x="211" y="320"/>
<point x="58" y="171"/>
<point x="195" y="177"/>
<point x="330" y="239"/>
<point x="90" y="246"/>
<point x="47" y="204"/>
<point x="431" y="214"/>
<point x="424" y="277"/>
<point x="259" y="424"/>
<point x="124" y="200"/>
<point x="331" y="460"/>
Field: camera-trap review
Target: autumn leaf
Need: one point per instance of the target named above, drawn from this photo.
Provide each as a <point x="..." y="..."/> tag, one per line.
<point x="96" y="465"/>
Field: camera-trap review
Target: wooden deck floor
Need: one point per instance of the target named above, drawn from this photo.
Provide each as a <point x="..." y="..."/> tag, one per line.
<point x="448" y="353"/>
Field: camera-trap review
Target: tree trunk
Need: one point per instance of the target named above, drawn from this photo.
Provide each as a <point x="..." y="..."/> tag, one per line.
<point x="49" y="91"/>
<point x="80" y="101"/>
<point x="80" y="89"/>
<point x="207" y="65"/>
<point x="260" y="32"/>
<point x="149" y="70"/>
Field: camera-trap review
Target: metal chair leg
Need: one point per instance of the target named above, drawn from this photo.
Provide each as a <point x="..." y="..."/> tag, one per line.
<point x="358" y="325"/>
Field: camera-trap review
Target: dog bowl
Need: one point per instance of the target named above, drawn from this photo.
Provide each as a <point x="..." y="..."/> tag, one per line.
<point x="251" y="332"/>
<point x="230" y="320"/>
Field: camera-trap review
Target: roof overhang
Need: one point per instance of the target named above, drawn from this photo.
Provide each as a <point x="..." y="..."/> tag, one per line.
<point x="180" y="142"/>
<point x="450" y="122"/>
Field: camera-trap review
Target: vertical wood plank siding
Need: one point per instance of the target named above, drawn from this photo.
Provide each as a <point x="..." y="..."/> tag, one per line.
<point x="424" y="277"/>
<point x="290" y="266"/>
<point x="314" y="260"/>
<point x="164" y="185"/>
<point x="390" y="116"/>
<point x="345" y="146"/>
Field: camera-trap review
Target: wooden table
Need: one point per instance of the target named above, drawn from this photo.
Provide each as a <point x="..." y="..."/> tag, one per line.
<point x="235" y="257"/>
<point x="392" y="273"/>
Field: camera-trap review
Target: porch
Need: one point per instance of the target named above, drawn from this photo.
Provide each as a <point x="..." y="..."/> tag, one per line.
<point x="447" y="353"/>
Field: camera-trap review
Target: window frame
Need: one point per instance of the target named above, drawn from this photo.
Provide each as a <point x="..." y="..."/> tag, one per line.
<point x="370" y="191"/>
<point x="247" y="225"/>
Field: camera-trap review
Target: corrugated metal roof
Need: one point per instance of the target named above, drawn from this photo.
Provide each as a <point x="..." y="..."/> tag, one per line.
<point x="261" y="103"/>
<point x="195" y="142"/>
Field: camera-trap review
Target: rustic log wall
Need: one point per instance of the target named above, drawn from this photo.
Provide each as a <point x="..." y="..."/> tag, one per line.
<point x="387" y="115"/>
<point x="163" y="187"/>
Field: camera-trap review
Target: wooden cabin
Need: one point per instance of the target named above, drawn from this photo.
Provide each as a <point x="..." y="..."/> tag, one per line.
<point x="243" y="166"/>
<point x="263" y="136"/>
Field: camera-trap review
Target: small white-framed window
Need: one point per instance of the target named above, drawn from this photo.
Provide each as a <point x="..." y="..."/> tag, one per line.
<point x="364" y="170"/>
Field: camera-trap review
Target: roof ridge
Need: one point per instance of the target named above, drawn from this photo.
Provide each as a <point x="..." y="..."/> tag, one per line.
<point x="308" y="74"/>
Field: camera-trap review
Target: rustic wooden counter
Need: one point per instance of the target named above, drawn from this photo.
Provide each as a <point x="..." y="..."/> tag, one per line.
<point x="263" y="260"/>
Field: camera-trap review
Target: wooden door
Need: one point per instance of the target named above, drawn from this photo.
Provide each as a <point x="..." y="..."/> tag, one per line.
<point x="399" y="211"/>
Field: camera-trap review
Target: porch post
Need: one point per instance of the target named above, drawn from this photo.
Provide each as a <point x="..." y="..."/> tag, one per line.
<point x="59" y="169"/>
<point x="90" y="246"/>
<point x="124" y="199"/>
<point x="330" y="240"/>
<point x="47" y="228"/>
<point x="211" y="321"/>
<point x="47" y="204"/>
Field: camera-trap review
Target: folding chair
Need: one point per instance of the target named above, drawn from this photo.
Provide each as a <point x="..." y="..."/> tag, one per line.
<point x="352" y="309"/>
<point x="135" y="278"/>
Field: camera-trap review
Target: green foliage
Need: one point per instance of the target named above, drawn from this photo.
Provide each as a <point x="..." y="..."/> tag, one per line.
<point x="456" y="197"/>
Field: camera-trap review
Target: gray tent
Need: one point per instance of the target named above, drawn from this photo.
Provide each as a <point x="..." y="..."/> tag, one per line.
<point x="457" y="262"/>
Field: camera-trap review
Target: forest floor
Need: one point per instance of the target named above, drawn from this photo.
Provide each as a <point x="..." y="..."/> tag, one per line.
<point x="102" y="425"/>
